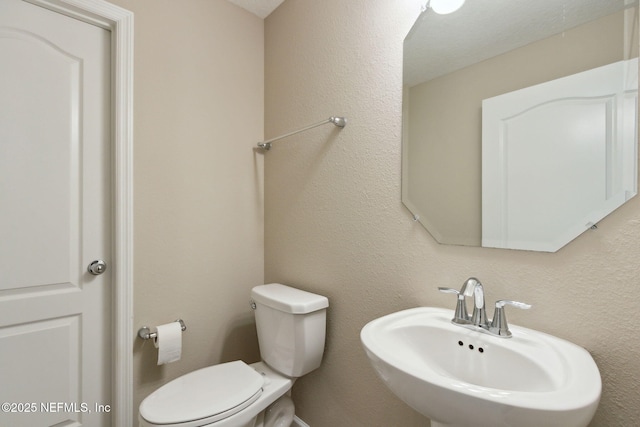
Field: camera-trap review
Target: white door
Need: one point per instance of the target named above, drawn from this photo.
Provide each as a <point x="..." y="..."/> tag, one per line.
<point x="55" y="219"/>
<point x="558" y="157"/>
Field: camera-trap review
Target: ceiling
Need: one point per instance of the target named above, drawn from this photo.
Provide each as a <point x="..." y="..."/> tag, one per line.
<point x="481" y="29"/>
<point x="261" y="8"/>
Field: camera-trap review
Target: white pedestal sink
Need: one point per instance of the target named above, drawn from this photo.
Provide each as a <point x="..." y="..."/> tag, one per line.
<point x="461" y="378"/>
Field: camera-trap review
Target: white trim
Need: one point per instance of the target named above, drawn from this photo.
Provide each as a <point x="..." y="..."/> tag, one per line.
<point x="120" y="22"/>
<point x="297" y="422"/>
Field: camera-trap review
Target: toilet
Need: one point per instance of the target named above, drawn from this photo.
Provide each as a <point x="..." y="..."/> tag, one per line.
<point x="291" y="326"/>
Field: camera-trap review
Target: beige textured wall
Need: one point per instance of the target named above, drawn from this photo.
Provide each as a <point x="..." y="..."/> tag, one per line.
<point x="334" y="223"/>
<point x="199" y="86"/>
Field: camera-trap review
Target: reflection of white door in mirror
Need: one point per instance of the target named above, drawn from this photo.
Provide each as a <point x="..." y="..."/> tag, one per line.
<point x="558" y="157"/>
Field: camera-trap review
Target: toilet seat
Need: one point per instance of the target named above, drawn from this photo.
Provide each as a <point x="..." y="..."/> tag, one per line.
<point x="190" y="400"/>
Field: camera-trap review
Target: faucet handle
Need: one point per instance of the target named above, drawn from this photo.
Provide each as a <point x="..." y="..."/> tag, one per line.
<point x="499" y="325"/>
<point x="501" y="303"/>
<point x="448" y="290"/>
<point x="461" y="315"/>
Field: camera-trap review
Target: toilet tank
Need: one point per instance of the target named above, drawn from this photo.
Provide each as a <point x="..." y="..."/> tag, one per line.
<point x="291" y="326"/>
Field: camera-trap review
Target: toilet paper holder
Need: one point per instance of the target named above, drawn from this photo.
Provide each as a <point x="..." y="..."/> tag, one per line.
<point x="146" y="334"/>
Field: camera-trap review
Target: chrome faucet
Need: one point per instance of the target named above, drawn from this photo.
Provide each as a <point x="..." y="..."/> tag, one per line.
<point x="473" y="287"/>
<point x="478" y="320"/>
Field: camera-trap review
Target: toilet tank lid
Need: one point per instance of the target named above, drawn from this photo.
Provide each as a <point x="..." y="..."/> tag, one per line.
<point x="288" y="299"/>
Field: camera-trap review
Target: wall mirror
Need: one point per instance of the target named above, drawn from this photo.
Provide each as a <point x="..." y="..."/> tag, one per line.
<point x="520" y="120"/>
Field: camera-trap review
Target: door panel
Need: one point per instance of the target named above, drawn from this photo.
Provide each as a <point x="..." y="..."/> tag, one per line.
<point x="40" y="179"/>
<point x="59" y="339"/>
<point x="55" y="159"/>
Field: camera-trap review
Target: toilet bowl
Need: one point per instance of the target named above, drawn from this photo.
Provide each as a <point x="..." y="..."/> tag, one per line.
<point x="280" y="413"/>
<point x="291" y="328"/>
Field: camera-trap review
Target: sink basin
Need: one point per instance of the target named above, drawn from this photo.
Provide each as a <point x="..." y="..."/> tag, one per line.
<point x="461" y="377"/>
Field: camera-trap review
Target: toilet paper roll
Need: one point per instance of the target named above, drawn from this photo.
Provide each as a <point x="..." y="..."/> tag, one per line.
<point x="169" y="343"/>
